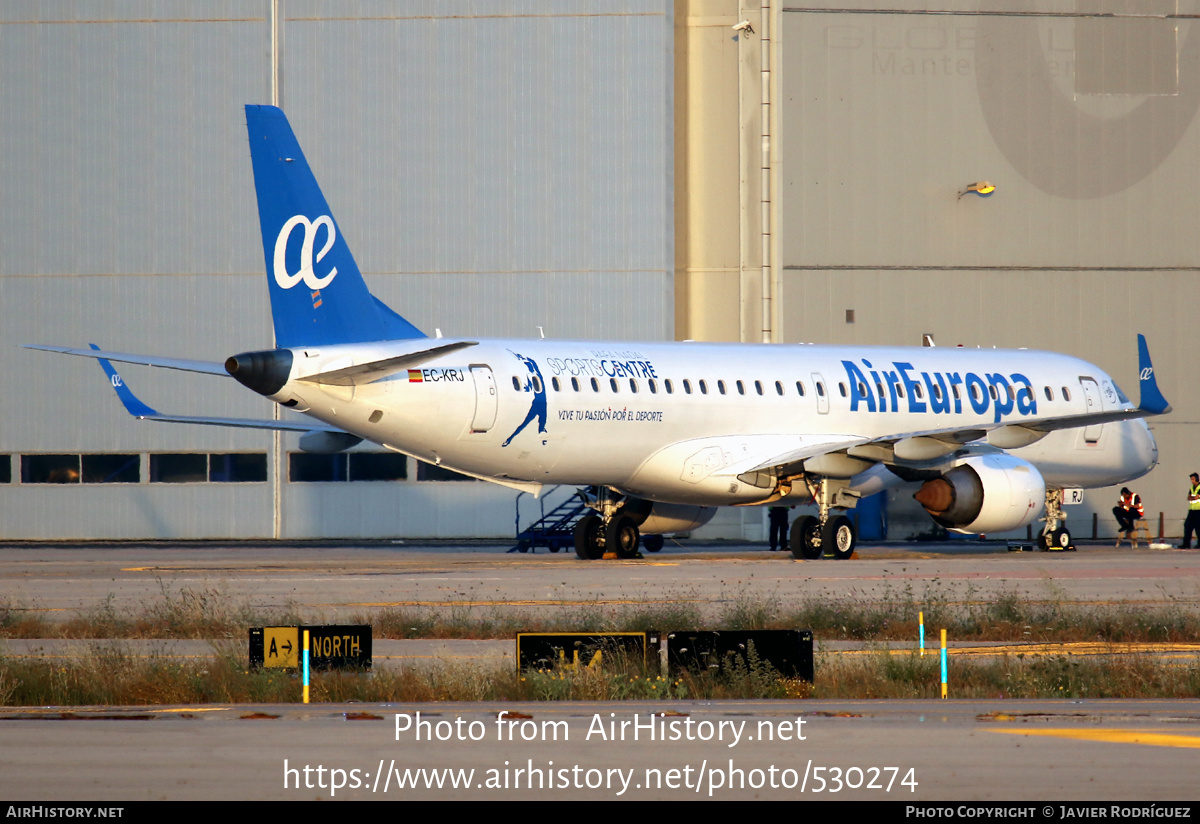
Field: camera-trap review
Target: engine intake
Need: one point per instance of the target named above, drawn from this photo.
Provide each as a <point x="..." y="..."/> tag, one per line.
<point x="985" y="493"/>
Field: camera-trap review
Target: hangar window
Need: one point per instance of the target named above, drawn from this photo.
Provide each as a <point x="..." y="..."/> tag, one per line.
<point x="800" y="388"/>
<point x="1049" y="393"/>
<point x="430" y="472"/>
<point x="238" y="468"/>
<point x="687" y="386"/>
<point x="305" y="467"/>
<point x="758" y="387"/>
<point x="5" y="469"/>
<point x="178" y="469"/>
<point x="50" y="469"/>
<point x="721" y="387"/>
<point x="375" y="466"/>
<point x="111" y="469"/>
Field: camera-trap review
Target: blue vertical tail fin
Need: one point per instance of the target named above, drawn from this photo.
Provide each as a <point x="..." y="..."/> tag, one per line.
<point x="318" y="295"/>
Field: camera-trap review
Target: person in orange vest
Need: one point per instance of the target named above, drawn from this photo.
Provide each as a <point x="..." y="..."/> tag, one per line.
<point x="1127" y="511"/>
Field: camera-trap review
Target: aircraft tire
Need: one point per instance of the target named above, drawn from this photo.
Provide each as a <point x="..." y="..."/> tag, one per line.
<point x="840" y="537"/>
<point x="805" y="539"/>
<point x="653" y="543"/>
<point x="621" y="536"/>
<point x="587" y="538"/>
<point x="1042" y="544"/>
<point x="1061" y="539"/>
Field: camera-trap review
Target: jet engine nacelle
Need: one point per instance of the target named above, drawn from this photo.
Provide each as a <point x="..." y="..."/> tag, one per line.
<point x="655" y="518"/>
<point x="985" y="493"/>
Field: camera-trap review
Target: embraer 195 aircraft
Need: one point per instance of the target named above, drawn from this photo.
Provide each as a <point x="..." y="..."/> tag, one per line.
<point x="659" y="434"/>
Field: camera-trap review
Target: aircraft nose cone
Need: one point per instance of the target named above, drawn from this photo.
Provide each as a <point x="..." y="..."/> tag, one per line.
<point x="264" y="372"/>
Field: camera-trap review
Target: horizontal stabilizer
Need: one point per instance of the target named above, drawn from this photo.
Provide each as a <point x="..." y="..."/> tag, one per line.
<point x="135" y="407"/>
<point x="204" y="367"/>
<point x="375" y="370"/>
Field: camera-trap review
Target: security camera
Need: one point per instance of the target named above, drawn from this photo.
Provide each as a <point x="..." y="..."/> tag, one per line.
<point x="744" y="26"/>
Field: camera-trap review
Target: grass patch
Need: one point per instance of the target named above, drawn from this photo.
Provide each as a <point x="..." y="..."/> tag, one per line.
<point x="111" y="676"/>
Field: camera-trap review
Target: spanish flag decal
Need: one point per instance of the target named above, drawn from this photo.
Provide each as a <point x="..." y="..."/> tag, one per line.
<point x="414" y="376"/>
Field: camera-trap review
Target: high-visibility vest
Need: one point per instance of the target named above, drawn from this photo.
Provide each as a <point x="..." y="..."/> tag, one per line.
<point x="1194" y="492"/>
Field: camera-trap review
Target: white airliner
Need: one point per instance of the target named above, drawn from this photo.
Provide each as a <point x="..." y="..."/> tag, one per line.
<point x="659" y="434"/>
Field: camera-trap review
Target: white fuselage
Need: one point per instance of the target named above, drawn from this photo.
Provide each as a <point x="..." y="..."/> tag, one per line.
<point x="661" y="420"/>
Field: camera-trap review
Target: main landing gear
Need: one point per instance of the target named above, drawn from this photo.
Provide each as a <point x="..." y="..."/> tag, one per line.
<point x="607" y="530"/>
<point x="815" y="537"/>
<point x="1054" y="536"/>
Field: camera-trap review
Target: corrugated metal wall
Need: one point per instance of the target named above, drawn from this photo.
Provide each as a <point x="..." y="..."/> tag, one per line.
<point x="1082" y="114"/>
<point x="495" y="166"/>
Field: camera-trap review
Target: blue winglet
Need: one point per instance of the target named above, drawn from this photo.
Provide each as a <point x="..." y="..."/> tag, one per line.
<point x="1152" y="400"/>
<point x="132" y="405"/>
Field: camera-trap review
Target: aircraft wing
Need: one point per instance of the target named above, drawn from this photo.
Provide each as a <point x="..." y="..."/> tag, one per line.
<point x="204" y="367"/>
<point x="135" y="407"/>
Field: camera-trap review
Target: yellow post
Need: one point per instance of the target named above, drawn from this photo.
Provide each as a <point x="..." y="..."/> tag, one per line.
<point x="921" y="623"/>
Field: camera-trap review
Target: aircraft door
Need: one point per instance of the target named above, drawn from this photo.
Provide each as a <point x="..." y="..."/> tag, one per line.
<point x="821" y="393"/>
<point x="485" y="398"/>
<point x="1095" y="403"/>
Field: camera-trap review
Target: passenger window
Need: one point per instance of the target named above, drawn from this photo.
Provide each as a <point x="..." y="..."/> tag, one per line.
<point x="554" y="383"/>
<point x="954" y="389"/>
<point x="879" y="386"/>
<point x="721" y="387"/>
<point x="899" y="390"/>
<point x="778" y="388"/>
<point x="918" y="391"/>
<point x="758" y="387"/>
<point x="992" y="391"/>
<point x="537" y="384"/>
<point x="1049" y="393"/>
<point x="937" y="392"/>
<point x="575" y="384"/>
<point x="1012" y="393"/>
<point x="703" y="388"/>
<point x="1066" y="394"/>
<point x="741" y="388"/>
<point x="653" y="387"/>
<point x="975" y="395"/>
<point x="633" y="386"/>
<point x="516" y="383"/>
<point x="667" y="384"/>
<point x="595" y="385"/>
<point x="842" y="388"/>
<point x="800" y="388"/>
<point x="687" y="386"/>
<point x="612" y="384"/>
<point x="820" y="389"/>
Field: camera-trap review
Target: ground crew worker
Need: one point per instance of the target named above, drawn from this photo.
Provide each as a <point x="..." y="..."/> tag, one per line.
<point x="1127" y="512"/>
<point x="778" y="518"/>
<point x="1192" y="524"/>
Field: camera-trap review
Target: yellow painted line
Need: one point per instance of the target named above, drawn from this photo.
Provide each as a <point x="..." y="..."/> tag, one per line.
<point x="1182" y="649"/>
<point x="1153" y="739"/>
<point x="190" y="709"/>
